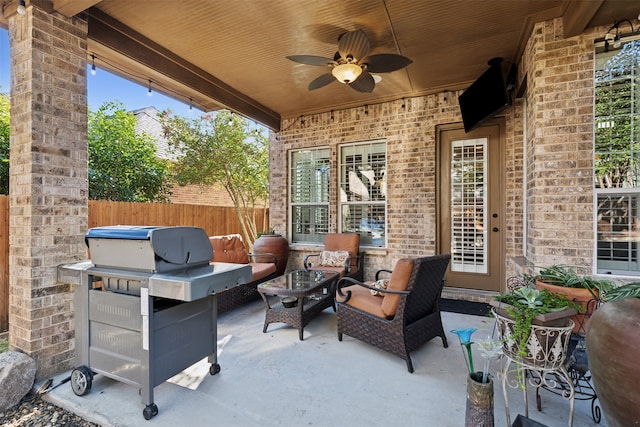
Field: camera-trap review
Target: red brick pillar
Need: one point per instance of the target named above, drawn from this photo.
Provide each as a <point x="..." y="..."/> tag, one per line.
<point x="48" y="181"/>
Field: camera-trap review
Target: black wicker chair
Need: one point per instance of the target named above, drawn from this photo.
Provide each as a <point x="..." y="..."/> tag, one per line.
<point x="417" y="317"/>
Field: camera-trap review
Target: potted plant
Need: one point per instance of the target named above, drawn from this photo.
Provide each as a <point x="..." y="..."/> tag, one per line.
<point x="612" y="350"/>
<point x="533" y="326"/>
<point x="582" y="289"/>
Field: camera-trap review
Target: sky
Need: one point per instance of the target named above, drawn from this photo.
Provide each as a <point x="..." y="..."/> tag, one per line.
<point x="104" y="86"/>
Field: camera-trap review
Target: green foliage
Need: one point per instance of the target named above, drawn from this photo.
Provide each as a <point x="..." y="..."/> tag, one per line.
<point x="222" y="149"/>
<point x="4" y="345"/>
<point x="630" y="290"/>
<point x="526" y="303"/>
<point x="526" y="299"/>
<point x="568" y="277"/>
<point x="122" y="164"/>
<point x="4" y="144"/>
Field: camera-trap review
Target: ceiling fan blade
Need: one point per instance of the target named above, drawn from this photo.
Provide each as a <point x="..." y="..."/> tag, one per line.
<point x="386" y="62"/>
<point x="321" y="81"/>
<point x="365" y="83"/>
<point x="353" y="43"/>
<point x="310" y="60"/>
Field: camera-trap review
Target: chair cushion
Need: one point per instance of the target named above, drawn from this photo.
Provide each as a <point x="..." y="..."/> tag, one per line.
<point x="362" y="299"/>
<point x="398" y="282"/>
<point x="229" y="248"/>
<point x="344" y="242"/>
<point x="333" y="258"/>
<point x="260" y="270"/>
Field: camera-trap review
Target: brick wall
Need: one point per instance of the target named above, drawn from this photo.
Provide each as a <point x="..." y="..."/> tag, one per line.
<point x="559" y="146"/>
<point x="409" y="127"/>
<point x="200" y="195"/>
<point x="48" y="182"/>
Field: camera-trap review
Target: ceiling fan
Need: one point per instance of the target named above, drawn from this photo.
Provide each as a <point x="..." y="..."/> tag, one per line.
<point x="351" y="65"/>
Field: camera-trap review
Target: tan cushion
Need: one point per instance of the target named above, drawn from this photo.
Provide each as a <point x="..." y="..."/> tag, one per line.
<point x="398" y="282"/>
<point x="362" y="299"/>
<point x="344" y="242"/>
<point x="333" y="258"/>
<point x="260" y="270"/>
<point x="229" y="248"/>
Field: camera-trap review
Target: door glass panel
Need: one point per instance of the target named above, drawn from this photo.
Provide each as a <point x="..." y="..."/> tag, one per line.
<point x="469" y="205"/>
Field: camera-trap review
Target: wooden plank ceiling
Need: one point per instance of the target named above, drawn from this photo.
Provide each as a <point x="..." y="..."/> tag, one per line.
<point x="232" y="54"/>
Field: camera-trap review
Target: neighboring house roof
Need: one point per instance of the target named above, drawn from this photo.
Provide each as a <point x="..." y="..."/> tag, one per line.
<point x="149" y="123"/>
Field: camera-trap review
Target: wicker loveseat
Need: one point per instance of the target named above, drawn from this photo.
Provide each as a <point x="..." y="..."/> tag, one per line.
<point x="230" y="248"/>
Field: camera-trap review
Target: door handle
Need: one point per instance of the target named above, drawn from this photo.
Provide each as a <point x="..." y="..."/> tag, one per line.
<point x="495" y="229"/>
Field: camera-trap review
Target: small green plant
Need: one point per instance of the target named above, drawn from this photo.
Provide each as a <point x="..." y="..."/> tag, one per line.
<point x="267" y="232"/>
<point x="526" y="303"/>
<point x="523" y="305"/>
<point x="4" y="345"/>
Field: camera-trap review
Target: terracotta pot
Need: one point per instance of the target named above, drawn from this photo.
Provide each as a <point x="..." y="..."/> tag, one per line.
<point x="580" y="296"/>
<point x="612" y="350"/>
<point x="274" y="244"/>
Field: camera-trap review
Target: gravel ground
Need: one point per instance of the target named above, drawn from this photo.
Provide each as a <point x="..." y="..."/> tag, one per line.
<point x="35" y="412"/>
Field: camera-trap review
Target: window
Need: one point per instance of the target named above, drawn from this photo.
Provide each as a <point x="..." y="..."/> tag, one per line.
<point x="363" y="191"/>
<point x="617" y="159"/>
<point x="469" y="205"/>
<point x="309" y="195"/>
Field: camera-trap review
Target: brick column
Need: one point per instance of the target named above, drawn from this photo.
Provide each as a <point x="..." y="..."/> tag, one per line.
<point x="48" y="181"/>
<point x="559" y="146"/>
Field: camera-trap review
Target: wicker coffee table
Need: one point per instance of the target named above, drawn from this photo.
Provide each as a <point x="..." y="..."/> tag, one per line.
<point x="313" y="289"/>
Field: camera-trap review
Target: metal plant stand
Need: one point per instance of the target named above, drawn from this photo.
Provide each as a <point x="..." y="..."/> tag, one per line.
<point x="541" y="364"/>
<point x="577" y="367"/>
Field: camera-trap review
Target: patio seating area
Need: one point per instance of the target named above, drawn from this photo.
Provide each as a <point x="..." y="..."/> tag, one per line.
<point x="274" y="379"/>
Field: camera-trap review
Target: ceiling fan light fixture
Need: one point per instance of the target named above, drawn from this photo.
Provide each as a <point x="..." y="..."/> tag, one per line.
<point x="346" y="73"/>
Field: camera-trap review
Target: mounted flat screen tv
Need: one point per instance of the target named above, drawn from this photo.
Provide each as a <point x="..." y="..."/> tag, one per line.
<point x="485" y="98"/>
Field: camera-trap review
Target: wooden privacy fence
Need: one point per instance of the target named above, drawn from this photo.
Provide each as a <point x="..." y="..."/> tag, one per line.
<point x="215" y="220"/>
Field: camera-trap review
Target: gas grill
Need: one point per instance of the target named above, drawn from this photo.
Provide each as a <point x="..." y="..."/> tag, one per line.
<point x="145" y="305"/>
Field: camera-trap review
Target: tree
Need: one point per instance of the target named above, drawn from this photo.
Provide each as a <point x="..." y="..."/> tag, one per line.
<point x="4" y="144"/>
<point x="222" y="149"/>
<point x="122" y="164"/>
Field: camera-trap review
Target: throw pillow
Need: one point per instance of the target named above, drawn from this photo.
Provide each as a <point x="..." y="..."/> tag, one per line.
<point x="380" y="284"/>
<point x="333" y="258"/>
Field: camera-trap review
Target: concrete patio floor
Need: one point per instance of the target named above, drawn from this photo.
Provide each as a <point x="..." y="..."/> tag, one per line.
<point x="274" y="379"/>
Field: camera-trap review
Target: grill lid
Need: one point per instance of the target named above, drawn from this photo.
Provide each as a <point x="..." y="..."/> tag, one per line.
<point x="149" y="248"/>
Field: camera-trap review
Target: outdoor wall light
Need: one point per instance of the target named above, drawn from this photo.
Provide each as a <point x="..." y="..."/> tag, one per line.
<point x="93" y="64"/>
<point x="22" y="7"/>
<point x="617" y="37"/>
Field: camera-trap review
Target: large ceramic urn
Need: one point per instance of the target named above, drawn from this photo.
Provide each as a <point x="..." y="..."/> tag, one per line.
<point x="613" y="351"/>
<point x="273" y="244"/>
